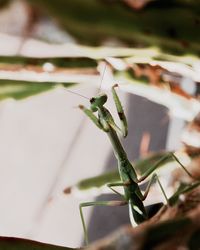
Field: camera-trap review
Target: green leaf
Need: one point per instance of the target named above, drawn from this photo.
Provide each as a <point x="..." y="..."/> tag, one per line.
<point x="98" y="181"/>
<point x="92" y="21"/>
<point x="61" y="62"/>
<point x="22" y="89"/>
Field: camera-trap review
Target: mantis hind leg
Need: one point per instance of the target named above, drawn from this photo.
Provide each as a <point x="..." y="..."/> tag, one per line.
<point x="183" y="188"/>
<point x="96" y="203"/>
<point x="155" y="178"/>
<point x="164" y="159"/>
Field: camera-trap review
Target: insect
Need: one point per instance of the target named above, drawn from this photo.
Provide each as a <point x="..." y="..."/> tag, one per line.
<point x="133" y="196"/>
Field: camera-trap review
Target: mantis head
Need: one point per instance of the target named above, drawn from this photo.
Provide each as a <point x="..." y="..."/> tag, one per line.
<point x="98" y="102"/>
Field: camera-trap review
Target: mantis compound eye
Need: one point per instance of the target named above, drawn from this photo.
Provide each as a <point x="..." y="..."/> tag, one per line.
<point x="93" y="105"/>
<point x="92" y="100"/>
<point x="98" y="102"/>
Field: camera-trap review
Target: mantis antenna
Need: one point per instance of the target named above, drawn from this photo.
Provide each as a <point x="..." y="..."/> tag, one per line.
<point x="75" y="93"/>
<point x="101" y="80"/>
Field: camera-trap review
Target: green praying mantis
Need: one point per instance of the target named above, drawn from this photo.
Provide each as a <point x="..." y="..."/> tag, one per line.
<point x="133" y="195"/>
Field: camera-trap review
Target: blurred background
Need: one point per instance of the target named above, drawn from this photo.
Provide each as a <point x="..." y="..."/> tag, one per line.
<point x="47" y="143"/>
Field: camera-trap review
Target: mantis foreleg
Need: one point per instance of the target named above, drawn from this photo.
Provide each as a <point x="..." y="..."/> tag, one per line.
<point x="120" y="112"/>
<point x="90" y="115"/>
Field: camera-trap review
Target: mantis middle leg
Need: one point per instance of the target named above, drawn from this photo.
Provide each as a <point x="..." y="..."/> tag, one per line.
<point x="96" y="203"/>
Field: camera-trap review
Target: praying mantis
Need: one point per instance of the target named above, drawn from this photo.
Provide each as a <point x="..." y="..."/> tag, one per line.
<point x="133" y="196"/>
